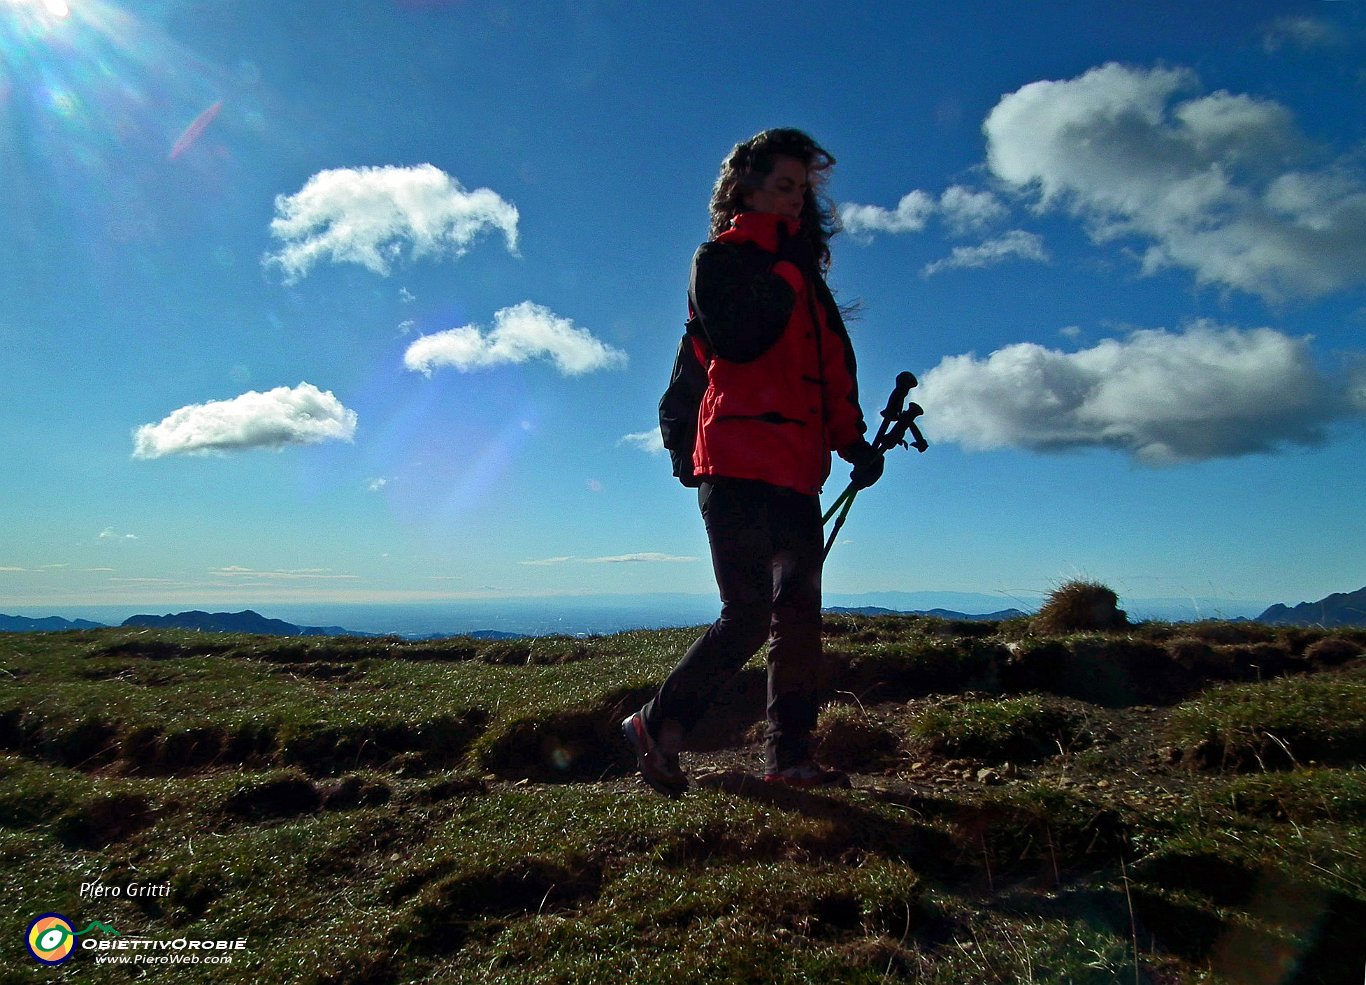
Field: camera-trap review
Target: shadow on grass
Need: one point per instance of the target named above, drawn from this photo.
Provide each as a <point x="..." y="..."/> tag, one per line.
<point x="850" y="831"/>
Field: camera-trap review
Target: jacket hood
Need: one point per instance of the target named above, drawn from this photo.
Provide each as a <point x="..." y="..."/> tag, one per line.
<point x="761" y="228"/>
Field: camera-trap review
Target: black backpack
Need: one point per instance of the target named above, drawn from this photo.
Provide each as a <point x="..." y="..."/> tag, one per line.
<point x="682" y="400"/>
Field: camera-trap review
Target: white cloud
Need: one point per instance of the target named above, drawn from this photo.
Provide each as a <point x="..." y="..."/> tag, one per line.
<point x="1356" y="387"/>
<point x="910" y="216"/>
<point x="649" y="441"/>
<point x="296" y="574"/>
<point x="520" y="333"/>
<point x="1300" y="32"/>
<point x="967" y="211"/>
<point x="1163" y="397"/>
<point x="1014" y="245"/>
<point x="371" y="215"/>
<point x="302" y="415"/>
<point x="962" y="209"/>
<point x="1221" y="184"/>
<point x="109" y="533"/>
<point x="647" y="557"/>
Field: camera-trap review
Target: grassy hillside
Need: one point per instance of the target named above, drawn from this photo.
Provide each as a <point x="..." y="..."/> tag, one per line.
<point x="1161" y="803"/>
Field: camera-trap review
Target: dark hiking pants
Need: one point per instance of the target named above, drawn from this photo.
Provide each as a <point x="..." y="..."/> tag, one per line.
<point x="766" y="547"/>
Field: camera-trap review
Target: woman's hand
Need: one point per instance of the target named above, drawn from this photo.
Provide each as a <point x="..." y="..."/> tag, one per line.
<point x="867" y="462"/>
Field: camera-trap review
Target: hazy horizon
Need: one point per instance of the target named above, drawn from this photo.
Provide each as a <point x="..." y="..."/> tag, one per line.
<point x="603" y="613"/>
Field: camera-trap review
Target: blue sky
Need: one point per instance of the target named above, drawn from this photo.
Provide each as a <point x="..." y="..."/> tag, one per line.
<point x="373" y="300"/>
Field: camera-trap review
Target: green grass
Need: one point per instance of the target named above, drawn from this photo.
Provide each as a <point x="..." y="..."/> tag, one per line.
<point x="1026" y="728"/>
<point x="257" y="702"/>
<point x="373" y="811"/>
<point x="1295" y="721"/>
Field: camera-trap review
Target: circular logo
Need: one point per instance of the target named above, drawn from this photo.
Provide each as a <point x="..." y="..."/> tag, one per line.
<point x="51" y="938"/>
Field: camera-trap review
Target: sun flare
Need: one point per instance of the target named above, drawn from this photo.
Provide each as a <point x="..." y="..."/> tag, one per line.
<point x="55" y="9"/>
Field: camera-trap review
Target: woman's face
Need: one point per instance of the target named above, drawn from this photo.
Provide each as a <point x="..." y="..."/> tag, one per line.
<point x="783" y="190"/>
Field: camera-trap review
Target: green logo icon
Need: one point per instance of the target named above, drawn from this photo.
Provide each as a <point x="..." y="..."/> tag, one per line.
<point x="51" y="937"/>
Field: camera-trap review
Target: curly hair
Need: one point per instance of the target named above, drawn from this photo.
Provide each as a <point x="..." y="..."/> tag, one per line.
<point x="745" y="168"/>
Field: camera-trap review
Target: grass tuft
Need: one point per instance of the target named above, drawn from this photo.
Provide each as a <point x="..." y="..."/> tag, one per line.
<point x="847" y="737"/>
<point x="1080" y="607"/>
<point x="1024" y="729"/>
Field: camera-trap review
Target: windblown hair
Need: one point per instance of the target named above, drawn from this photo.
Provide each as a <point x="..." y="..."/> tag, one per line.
<point x="745" y="168"/>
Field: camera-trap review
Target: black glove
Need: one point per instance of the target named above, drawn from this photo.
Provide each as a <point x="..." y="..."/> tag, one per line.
<point x="867" y="463"/>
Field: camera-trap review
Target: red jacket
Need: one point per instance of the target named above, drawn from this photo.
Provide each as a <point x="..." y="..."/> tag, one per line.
<point x="781" y="392"/>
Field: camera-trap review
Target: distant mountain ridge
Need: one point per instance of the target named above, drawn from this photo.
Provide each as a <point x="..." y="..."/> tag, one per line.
<point x="949" y="614"/>
<point x="48" y="624"/>
<point x="252" y="622"/>
<point x="1338" y="609"/>
<point x="246" y="621"/>
<point x="1342" y="609"/>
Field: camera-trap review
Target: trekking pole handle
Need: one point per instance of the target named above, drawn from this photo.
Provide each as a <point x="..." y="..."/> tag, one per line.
<point x="905" y="380"/>
<point x="906" y="422"/>
<point x="918" y="442"/>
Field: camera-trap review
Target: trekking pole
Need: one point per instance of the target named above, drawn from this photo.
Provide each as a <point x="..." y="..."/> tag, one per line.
<point x="897" y="419"/>
<point x="895" y="402"/>
<point x="848" y="499"/>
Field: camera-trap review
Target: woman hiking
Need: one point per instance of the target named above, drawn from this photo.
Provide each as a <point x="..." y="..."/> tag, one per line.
<point x="781" y="395"/>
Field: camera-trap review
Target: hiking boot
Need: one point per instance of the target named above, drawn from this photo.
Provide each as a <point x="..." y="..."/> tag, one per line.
<point x="657" y="768"/>
<point x="806" y="775"/>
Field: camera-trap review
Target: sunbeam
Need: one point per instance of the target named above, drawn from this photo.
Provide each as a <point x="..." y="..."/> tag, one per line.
<point x="103" y="123"/>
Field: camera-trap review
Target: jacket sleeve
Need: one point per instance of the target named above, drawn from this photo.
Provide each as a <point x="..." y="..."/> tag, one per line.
<point x="742" y="298"/>
<point x="845" y="419"/>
